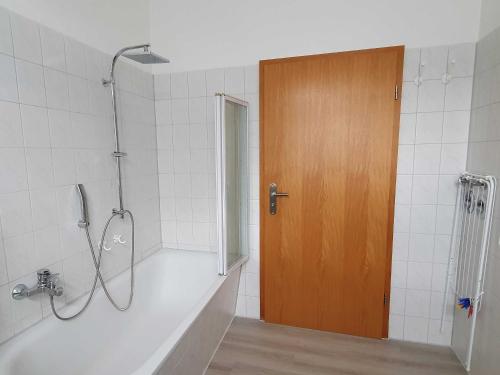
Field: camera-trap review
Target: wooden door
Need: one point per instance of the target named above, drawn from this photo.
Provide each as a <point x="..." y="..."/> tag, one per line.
<point x="329" y="129"/>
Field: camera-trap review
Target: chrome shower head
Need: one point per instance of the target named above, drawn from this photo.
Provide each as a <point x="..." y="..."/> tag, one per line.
<point x="146" y="57"/>
<point x="140" y="53"/>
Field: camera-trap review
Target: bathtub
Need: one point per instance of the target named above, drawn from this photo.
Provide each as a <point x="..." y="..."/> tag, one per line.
<point x="181" y="311"/>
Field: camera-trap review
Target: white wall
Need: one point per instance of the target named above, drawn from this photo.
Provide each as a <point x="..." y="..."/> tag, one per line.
<point x="490" y="17"/>
<point x="483" y="158"/>
<point x="103" y="24"/>
<point x="206" y="34"/>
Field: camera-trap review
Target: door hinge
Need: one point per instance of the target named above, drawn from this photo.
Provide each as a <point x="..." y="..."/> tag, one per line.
<point x="385" y="299"/>
<point x="396" y="92"/>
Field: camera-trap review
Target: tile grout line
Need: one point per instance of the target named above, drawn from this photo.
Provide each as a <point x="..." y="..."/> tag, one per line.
<point x="411" y="195"/>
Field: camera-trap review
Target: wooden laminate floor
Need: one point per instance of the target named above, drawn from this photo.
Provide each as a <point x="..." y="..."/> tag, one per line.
<point x="251" y="347"/>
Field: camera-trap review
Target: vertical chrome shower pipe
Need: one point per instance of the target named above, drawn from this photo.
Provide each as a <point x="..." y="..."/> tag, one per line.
<point x="117" y="154"/>
<point x="121" y="211"/>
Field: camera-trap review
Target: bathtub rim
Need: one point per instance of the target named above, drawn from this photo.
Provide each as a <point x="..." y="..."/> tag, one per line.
<point x="160" y="355"/>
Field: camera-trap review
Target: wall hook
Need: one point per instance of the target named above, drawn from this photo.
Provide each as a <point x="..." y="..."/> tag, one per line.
<point x="117" y="238"/>
<point x="103" y="245"/>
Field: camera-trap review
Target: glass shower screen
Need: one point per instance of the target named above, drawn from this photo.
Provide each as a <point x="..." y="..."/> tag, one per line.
<point x="232" y="181"/>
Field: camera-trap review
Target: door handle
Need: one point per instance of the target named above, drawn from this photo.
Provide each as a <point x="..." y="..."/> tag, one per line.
<point x="273" y="198"/>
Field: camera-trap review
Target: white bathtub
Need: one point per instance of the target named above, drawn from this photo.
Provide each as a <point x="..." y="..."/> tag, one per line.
<point x="180" y="312"/>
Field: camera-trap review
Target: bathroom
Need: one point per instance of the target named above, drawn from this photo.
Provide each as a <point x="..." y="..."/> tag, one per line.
<point x="266" y="187"/>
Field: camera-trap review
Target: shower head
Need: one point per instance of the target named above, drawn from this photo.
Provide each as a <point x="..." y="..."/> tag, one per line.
<point x="141" y="54"/>
<point x="146" y="57"/>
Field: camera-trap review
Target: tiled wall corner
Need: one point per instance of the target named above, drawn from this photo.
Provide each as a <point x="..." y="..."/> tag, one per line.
<point x="433" y="139"/>
<point x="186" y="160"/>
<point x="56" y="130"/>
<point x="484" y="158"/>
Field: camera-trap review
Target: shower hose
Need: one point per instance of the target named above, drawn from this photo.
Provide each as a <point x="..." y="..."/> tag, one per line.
<point x="97" y="264"/>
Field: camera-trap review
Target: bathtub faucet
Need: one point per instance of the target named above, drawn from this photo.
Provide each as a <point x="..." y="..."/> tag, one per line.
<point x="47" y="283"/>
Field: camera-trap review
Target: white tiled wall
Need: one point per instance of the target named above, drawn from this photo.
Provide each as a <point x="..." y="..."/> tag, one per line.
<point x="55" y="131"/>
<point x="434" y="130"/>
<point x="186" y="155"/>
<point x="433" y="147"/>
<point x="484" y="158"/>
<point x="186" y="141"/>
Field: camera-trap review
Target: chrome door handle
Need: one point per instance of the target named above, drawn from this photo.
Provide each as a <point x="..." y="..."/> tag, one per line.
<point x="273" y="195"/>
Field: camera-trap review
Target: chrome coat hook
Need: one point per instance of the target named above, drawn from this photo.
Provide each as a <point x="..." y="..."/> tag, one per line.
<point x="117" y="238"/>
<point x="103" y="245"/>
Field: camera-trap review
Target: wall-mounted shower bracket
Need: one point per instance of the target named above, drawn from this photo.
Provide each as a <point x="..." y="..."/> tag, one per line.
<point x="119" y="154"/>
<point x="117" y="211"/>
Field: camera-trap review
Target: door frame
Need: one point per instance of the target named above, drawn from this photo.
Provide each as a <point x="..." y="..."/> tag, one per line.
<point x="263" y="190"/>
